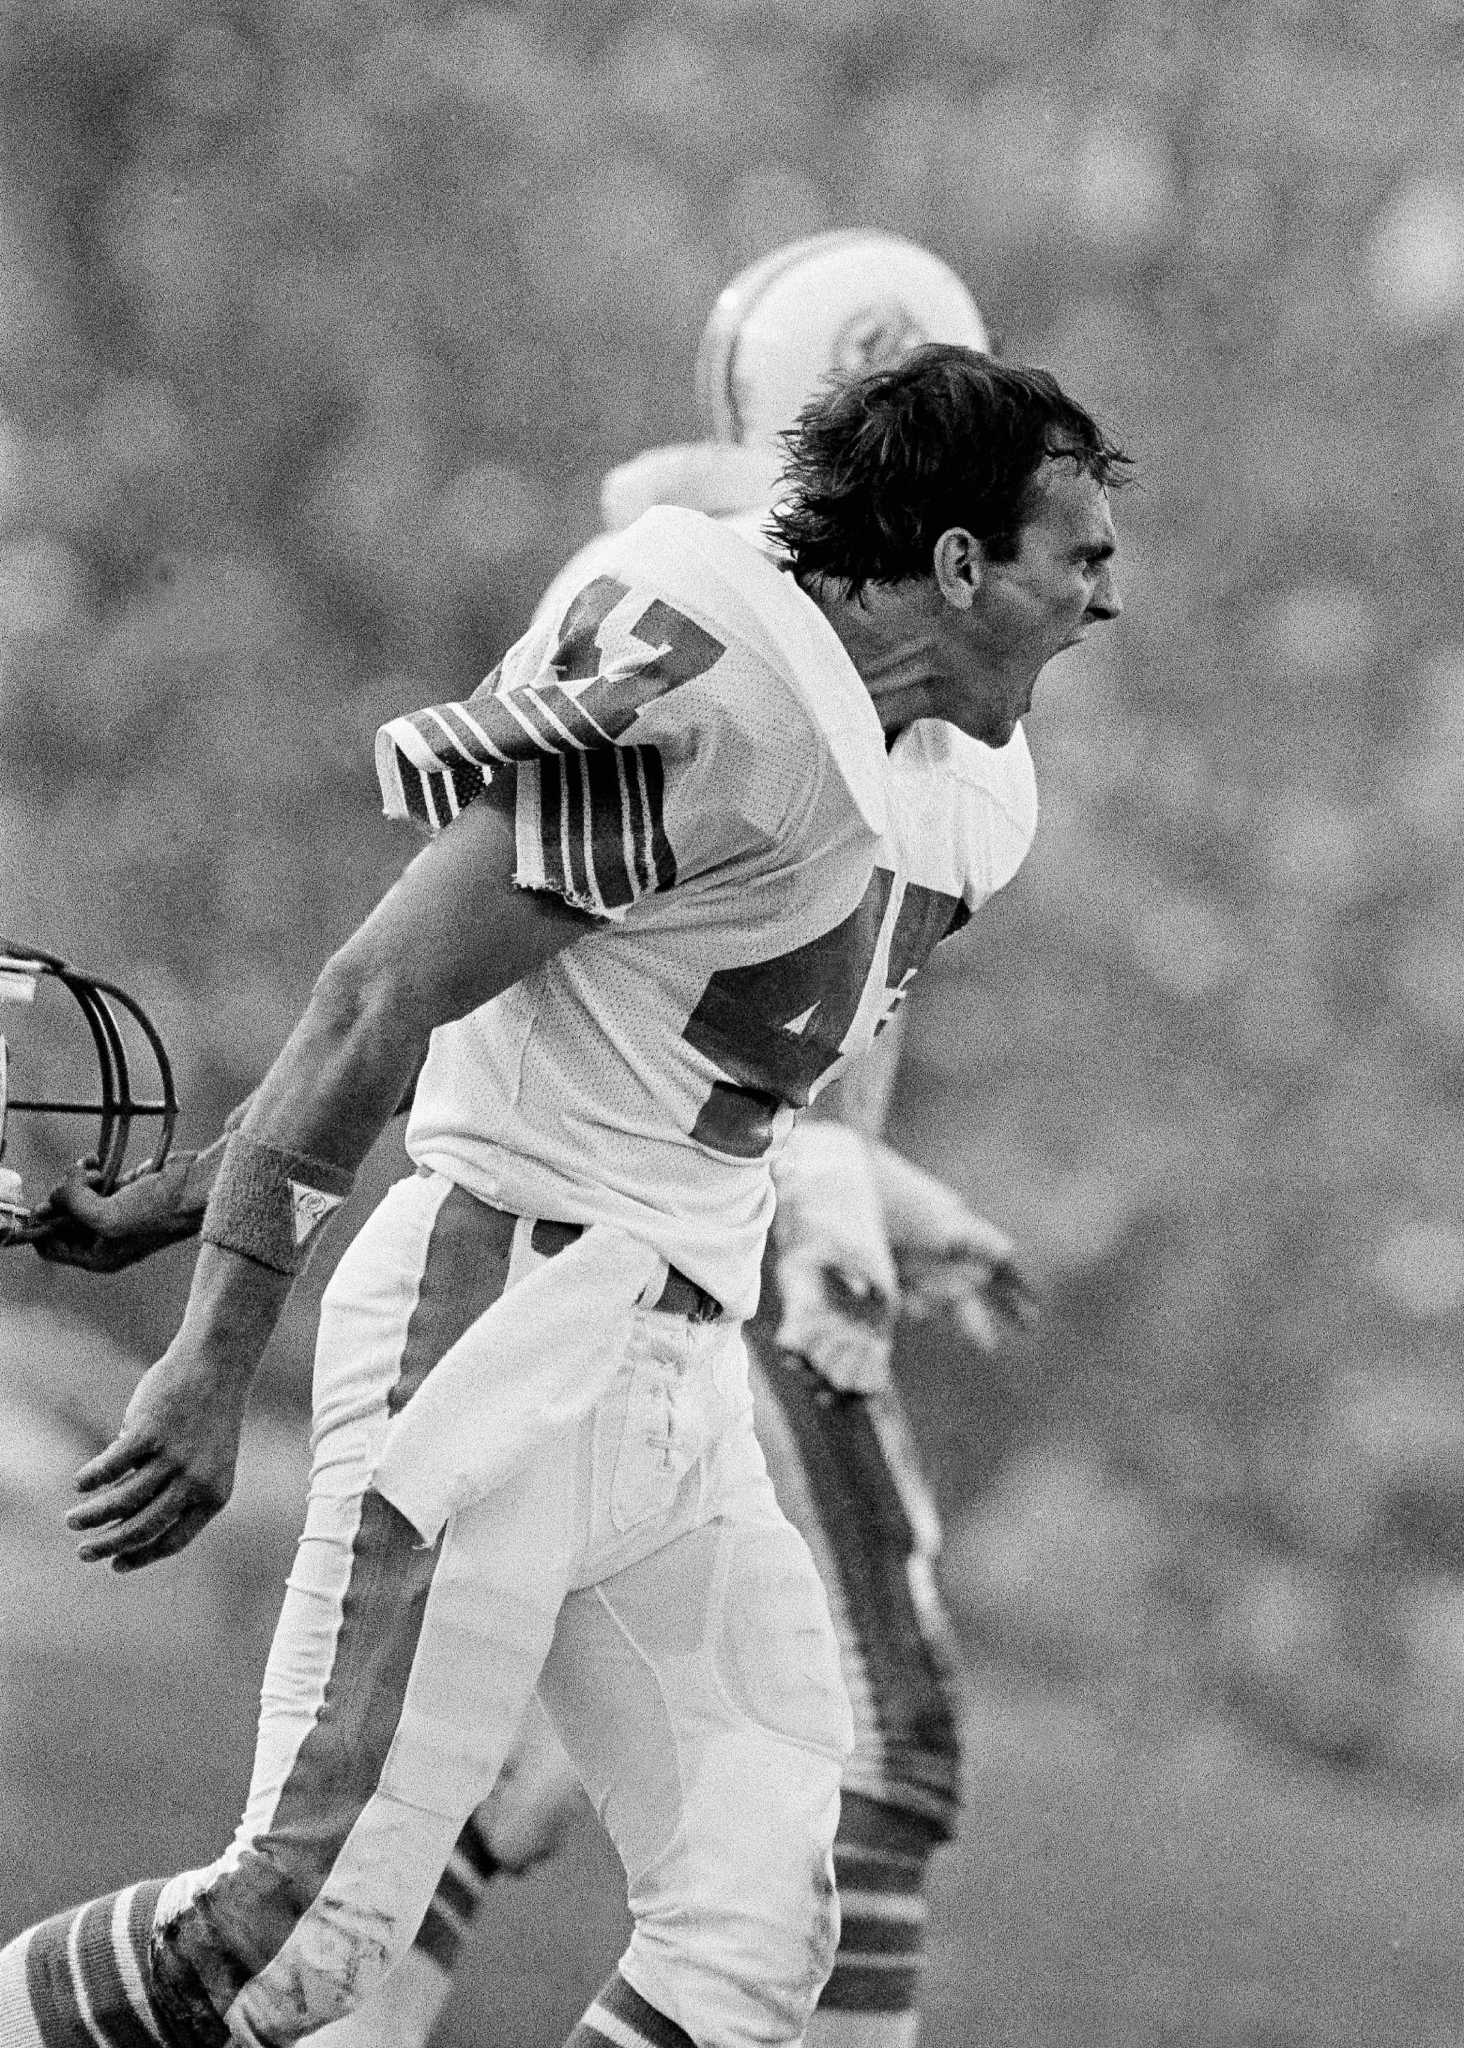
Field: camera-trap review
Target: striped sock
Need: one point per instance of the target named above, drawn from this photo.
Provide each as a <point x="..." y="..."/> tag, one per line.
<point x="881" y="1860"/>
<point x="620" y="2018"/>
<point x="458" y="1899"/>
<point x="80" y="1980"/>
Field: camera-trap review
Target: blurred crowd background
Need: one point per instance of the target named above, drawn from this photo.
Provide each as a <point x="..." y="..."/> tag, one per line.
<point x="320" y="321"/>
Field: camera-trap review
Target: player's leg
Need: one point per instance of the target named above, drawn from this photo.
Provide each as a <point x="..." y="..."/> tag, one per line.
<point x="324" y="1890"/>
<point x="519" y="1824"/>
<point x="882" y="1861"/>
<point x="84" y="1976"/>
<point x="438" y="1712"/>
<point x="699" y="1695"/>
<point x="80" y="1978"/>
<point x="397" y="1677"/>
<point x="850" y="1482"/>
<point x="526" y="1815"/>
<point x="620" y="2018"/>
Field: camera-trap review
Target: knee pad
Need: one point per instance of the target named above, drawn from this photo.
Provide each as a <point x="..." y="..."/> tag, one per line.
<point x="777" y="1655"/>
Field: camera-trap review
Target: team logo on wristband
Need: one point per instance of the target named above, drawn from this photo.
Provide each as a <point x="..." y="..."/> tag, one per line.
<point x="309" y="1209"/>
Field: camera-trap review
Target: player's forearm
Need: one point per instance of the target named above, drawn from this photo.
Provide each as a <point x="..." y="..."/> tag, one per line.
<point x="343" y="1071"/>
<point x="233" y="1306"/>
<point x="452" y="933"/>
<point x="922" y="1213"/>
<point x="190" y="1196"/>
<point x="288" y="1163"/>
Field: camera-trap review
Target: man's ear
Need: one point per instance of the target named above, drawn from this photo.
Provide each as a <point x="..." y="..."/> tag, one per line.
<point x="959" y="564"/>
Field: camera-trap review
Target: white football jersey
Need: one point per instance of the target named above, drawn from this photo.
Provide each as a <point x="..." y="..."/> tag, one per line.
<point x="699" y="764"/>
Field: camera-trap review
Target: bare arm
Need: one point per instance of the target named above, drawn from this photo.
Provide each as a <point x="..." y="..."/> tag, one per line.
<point x="452" y="933"/>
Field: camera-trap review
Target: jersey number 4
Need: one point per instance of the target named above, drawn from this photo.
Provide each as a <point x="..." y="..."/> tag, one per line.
<point x="775" y="1027"/>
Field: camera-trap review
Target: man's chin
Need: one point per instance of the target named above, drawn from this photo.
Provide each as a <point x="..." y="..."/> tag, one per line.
<point x="994" y="731"/>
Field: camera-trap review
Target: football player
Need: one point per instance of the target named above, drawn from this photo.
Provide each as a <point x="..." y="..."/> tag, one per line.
<point x="859" y="1233"/>
<point x="483" y="1353"/>
<point x="859" y="1236"/>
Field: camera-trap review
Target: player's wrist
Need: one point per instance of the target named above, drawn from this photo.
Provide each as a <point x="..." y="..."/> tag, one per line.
<point x="200" y="1171"/>
<point x="268" y="1204"/>
<point x="233" y="1306"/>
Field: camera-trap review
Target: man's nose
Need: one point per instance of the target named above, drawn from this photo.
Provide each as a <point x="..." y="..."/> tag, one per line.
<point x="1105" y="602"/>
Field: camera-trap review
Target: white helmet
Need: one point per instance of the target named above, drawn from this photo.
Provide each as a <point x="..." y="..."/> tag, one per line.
<point x="832" y="306"/>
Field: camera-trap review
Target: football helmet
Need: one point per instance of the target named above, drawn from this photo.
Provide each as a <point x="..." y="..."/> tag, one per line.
<point x="118" y="1032"/>
<point x="831" y="306"/>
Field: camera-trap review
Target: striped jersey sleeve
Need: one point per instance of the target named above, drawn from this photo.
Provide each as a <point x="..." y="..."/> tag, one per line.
<point x="626" y="723"/>
<point x="432" y="763"/>
<point x="555" y="694"/>
<point x="592" y="827"/>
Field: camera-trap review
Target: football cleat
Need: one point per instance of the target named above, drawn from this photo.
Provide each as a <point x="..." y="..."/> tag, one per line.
<point x="117" y="1031"/>
<point x="813" y="312"/>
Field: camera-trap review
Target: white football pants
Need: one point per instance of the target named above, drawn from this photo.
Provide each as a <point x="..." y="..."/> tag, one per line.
<point x="630" y="1561"/>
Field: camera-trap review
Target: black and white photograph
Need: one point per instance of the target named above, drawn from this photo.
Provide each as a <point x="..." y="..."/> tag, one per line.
<point x="731" y="1024"/>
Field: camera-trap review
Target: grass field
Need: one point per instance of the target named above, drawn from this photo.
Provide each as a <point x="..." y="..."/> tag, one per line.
<point x="1115" y="1887"/>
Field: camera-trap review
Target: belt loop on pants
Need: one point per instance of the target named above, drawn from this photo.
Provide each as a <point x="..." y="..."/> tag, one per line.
<point x="681" y="1296"/>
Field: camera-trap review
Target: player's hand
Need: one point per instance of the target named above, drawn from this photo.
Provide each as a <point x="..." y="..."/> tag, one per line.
<point x="951" y="1260"/>
<point x="973" y="1278"/>
<point x="170" y="1468"/>
<point x="105" y="1233"/>
<point x="838" y="1318"/>
<point x="837" y="1283"/>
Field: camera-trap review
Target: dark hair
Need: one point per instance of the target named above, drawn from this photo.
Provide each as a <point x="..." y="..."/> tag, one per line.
<point x="882" y="465"/>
